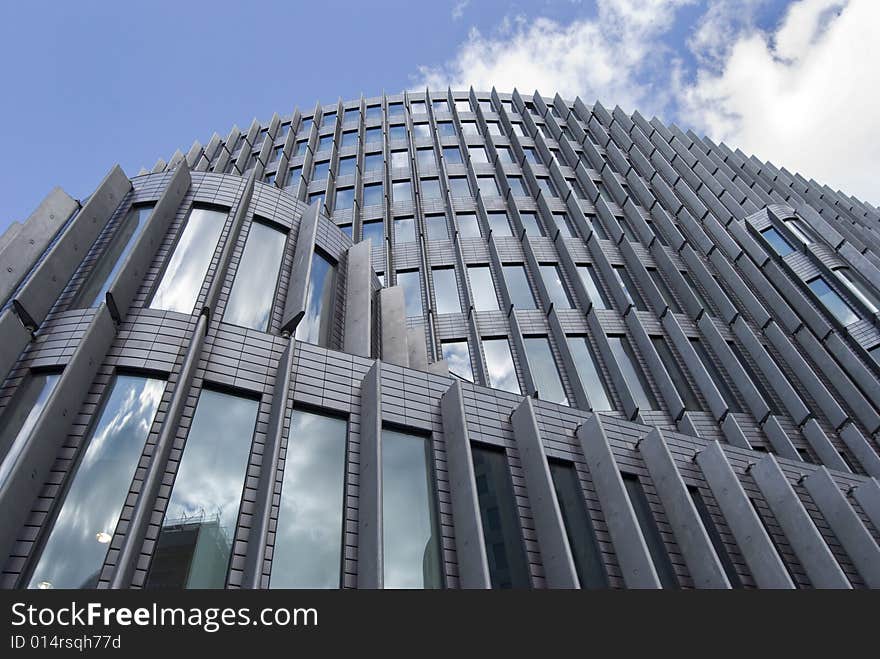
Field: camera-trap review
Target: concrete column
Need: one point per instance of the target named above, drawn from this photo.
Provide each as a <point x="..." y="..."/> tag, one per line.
<point x="754" y="544"/>
<point x="470" y="544"/>
<point x="392" y="310"/>
<point x="417" y="352"/>
<point x="867" y="494"/>
<point x="691" y="535"/>
<point x="803" y="536"/>
<point x="358" y="300"/>
<point x="370" y="551"/>
<point x="14" y="338"/>
<point x="556" y="554"/>
<point x="629" y="544"/>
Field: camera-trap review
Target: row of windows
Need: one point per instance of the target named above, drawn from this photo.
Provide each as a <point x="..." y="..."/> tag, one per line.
<point x="194" y="546"/>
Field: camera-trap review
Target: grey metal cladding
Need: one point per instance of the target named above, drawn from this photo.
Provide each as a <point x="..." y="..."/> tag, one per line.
<point x="36" y="297"/>
<point x="14" y="338"/>
<point x="23" y="244"/>
<point x="131" y="274"/>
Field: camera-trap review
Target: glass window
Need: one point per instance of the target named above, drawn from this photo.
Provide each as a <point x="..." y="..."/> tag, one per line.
<point x="588" y="371"/>
<point x="324" y="143"/>
<point x="426" y="158"/>
<point x="578" y="525"/>
<point x="305" y="125"/>
<point x="195" y="541"/>
<point x="835" y="304"/>
<point x="499" y="363"/>
<point x="316" y="197"/>
<point x="373" y="112"/>
<point x="446" y="129"/>
<point x="404" y="230"/>
<point x="458" y="358"/>
<point x="494" y="128"/>
<point x="530" y="224"/>
<point x="598" y="227"/>
<point x="344" y="198"/>
<point x="546" y="186"/>
<point x="665" y="293"/>
<point x="499" y="224"/>
<point x="482" y="288"/>
<point x="253" y="291"/>
<point x="777" y="241"/>
<point x="410" y="525"/>
<point x="349" y="138"/>
<point x="518" y="286"/>
<point x="77" y="544"/>
<point x="400" y="159"/>
<point x="458" y="186"/>
<point x="717" y="379"/>
<point x="487" y="186"/>
<point x="632" y="373"/>
<point x="478" y="154"/>
<point x="858" y="288"/>
<point x="20" y="417"/>
<point x="518" y="129"/>
<point x="412" y="292"/>
<point x="452" y="155"/>
<point x="397" y="132"/>
<point x="446" y="290"/>
<point x="421" y="131"/>
<point x="294" y="176"/>
<point x="329" y="119"/>
<point x="627" y="230"/>
<point x="469" y="128"/>
<point x="560" y="221"/>
<point x="463" y="105"/>
<point x="372" y="162"/>
<point x="517" y="189"/>
<point x="504" y="154"/>
<point x="508" y="566"/>
<point x="532" y="155"/>
<point x="105" y="271"/>
<point x="372" y="135"/>
<point x="555" y="288"/>
<point x="676" y="374"/>
<point x="437" y="229"/>
<point x="441" y="106"/>
<point x="347" y="229"/>
<point x="347" y="166"/>
<point x="431" y="188"/>
<point x="417" y="106"/>
<point x="308" y="535"/>
<point x="545" y="373"/>
<point x="373" y="194"/>
<point x="395" y="109"/>
<point x="650" y="531"/>
<point x="182" y="281"/>
<point x="374" y="231"/>
<point x="629" y="287"/>
<point x="594" y="290"/>
<point x="315" y="325"/>
<point x="401" y="191"/>
<point x="468" y="227"/>
<point x="322" y="170"/>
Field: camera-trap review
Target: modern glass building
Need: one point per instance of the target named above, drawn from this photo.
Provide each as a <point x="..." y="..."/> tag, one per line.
<point x="443" y="340"/>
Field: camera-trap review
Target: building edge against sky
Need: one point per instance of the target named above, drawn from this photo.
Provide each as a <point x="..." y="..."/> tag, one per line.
<point x="584" y="349"/>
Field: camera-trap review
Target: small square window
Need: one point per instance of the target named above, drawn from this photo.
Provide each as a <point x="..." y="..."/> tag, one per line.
<point x="426" y="158"/>
<point x="431" y="189"/>
<point x="397" y="132"/>
<point x="441" y="106"/>
<point x="452" y="155"/>
<point x="400" y="160"/>
<point x="321" y="171"/>
<point x="373" y="112"/>
<point x="517" y="189"/>
<point x="468" y="227"/>
<point x="421" y="131"/>
<point x="437" y="229"/>
<point x="446" y="129"/>
<point x="372" y="135"/>
<point x="373" y="194"/>
<point x="469" y="128"/>
<point x="458" y="186"/>
<point x="478" y="154"/>
<point x="487" y="186"/>
<point x="349" y="138"/>
<point x="401" y="191"/>
<point x="344" y="198"/>
<point x="404" y="230"/>
<point x="463" y="105"/>
<point x="372" y="162"/>
<point x="347" y="166"/>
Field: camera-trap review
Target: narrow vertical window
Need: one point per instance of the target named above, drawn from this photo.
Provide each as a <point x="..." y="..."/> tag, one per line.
<point x="777" y="241"/>
<point x="468" y="227"/>
<point x="182" y="281"/>
<point x="530" y="224"/>
<point x="458" y="358"/>
<point x="632" y="373"/>
<point x="717" y="379"/>
<point x="409" y="280"/>
<point x="629" y="287"/>
<point x="250" y="300"/>
<point x="437" y="229"/>
<point x="545" y="373"/>
<point x="578" y="526"/>
<point x="94" y="290"/>
<point x="588" y="372"/>
<point x="404" y="230"/>
<point x="195" y="541"/>
<point x="555" y="288"/>
<point x="835" y="304"/>
<point x="374" y="231"/>
<point x="518" y="286"/>
<point x="650" y="531"/>
<point x="410" y="528"/>
<point x="594" y="290"/>
<point x="81" y="533"/>
<point x="715" y="537"/>
<point x="499" y="363"/>
<point x="498" y="224"/>
<point x="308" y="536"/>
<point x="508" y="567"/>
<point x="482" y="288"/>
<point x="316" y="324"/>
<point x="446" y="290"/>
<point x="676" y="374"/>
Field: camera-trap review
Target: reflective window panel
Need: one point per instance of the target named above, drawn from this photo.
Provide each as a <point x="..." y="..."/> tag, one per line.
<point x="588" y="372"/>
<point x="316" y="324"/>
<point x="482" y="288"/>
<point x="458" y="358"/>
<point x="545" y="373"/>
<point x="253" y="291"/>
<point x="446" y="290"/>
<point x="499" y="363"/>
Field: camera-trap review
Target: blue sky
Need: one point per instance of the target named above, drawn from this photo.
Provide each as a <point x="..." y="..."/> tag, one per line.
<point x="92" y="83"/>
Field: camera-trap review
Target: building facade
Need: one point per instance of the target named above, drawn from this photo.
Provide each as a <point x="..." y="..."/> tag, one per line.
<point x="443" y="340"/>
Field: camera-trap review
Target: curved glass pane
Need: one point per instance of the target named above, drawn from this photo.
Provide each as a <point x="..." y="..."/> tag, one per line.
<point x="183" y="277"/>
<point x="308" y="539"/>
<point x="195" y="541"/>
<point x="253" y="290"/>
<point x="316" y="323"/>
<point x="77" y="544"/>
<point x="499" y="363"/>
<point x="411" y="533"/>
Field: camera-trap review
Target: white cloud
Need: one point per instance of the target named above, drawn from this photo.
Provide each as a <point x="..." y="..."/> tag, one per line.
<point x="458" y="9"/>
<point x="804" y="97"/>
<point x="613" y="56"/>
